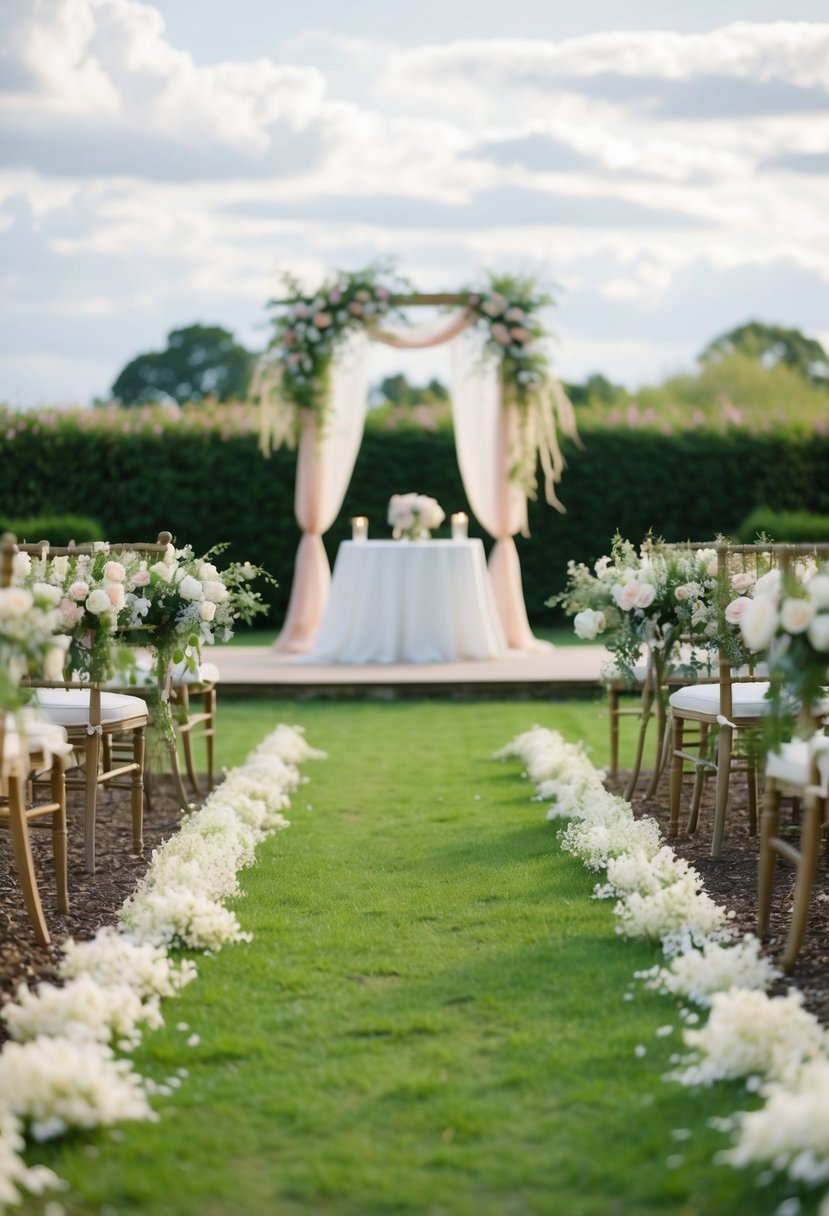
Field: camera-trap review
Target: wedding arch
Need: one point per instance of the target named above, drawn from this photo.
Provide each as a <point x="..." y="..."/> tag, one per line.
<point x="507" y="410"/>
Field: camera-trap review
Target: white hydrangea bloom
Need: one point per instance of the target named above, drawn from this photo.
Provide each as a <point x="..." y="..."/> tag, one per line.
<point x="116" y="958"/>
<point x="54" y="1084"/>
<point x="82" y="1009"/>
<point x="791" y="1132"/>
<point x="182" y="917"/>
<point x="699" y="974"/>
<point x="750" y="1033"/>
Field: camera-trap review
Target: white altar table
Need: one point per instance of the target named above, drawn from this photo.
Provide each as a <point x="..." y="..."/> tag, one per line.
<point x="409" y="602"/>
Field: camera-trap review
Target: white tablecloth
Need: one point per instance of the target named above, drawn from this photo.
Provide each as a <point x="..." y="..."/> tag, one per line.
<point x="409" y="602"/>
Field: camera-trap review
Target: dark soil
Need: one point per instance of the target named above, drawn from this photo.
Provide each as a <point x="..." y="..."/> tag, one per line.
<point x="95" y="899"/>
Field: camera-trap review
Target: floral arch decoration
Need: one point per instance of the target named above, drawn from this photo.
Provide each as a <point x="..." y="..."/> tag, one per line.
<point x="306" y="400"/>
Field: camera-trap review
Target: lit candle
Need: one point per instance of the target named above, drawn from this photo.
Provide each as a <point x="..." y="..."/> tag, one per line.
<point x="359" y="528"/>
<point x="460" y="525"/>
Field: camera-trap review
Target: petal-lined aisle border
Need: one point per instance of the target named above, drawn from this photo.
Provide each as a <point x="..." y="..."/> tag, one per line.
<point x="778" y="1047"/>
<point x="60" y="1069"/>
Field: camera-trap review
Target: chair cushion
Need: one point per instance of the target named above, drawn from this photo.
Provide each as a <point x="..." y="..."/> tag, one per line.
<point x="792" y="763"/>
<point x="748" y="700"/>
<point x="39" y="735"/>
<point x="70" y="706"/>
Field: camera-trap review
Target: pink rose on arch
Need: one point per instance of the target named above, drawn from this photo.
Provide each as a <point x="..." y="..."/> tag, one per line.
<point x="322" y="320"/>
<point x="501" y="334"/>
<point x="363" y="295"/>
<point x="79" y="591"/>
<point x="288" y="337"/>
<point x="515" y="314"/>
<point x="140" y="579"/>
<point x="355" y="309"/>
<point x="520" y="334"/>
<point x="334" y="295"/>
<point x="734" y="611"/>
<point x="382" y="293"/>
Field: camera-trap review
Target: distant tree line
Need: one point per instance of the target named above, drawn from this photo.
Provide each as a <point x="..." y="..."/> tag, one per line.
<point x="202" y="361"/>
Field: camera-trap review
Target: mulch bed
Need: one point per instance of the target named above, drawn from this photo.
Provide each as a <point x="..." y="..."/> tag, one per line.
<point x="95" y="899"/>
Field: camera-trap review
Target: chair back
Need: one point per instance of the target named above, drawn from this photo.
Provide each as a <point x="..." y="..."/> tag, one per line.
<point x="8" y="545"/>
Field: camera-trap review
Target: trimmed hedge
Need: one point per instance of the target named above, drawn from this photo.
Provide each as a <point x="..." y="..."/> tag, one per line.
<point x="785" y="527"/>
<point x="57" y="529"/>
<point x="205" y="487"/>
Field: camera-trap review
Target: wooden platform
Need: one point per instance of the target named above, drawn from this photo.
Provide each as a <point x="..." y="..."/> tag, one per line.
<point x="257" y="671"/>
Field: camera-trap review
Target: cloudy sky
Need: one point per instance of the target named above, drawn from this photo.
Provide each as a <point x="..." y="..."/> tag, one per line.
<point x="666" y="165"/>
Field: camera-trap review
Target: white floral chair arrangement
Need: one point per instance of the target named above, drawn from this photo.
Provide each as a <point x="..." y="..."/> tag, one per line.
<point x="643" y="604"/>
<point x="734" y="703"/>
<point x="28" y="745"/>
<point x="113" y="599"/>
<point x="788" y="623"/>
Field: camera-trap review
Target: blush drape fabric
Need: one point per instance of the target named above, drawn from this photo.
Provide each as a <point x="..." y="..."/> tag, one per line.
<point x="486" y="433"/>
<point x="325" y="462"/>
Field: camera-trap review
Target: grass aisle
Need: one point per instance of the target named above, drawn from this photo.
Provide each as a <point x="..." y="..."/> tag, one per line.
<point x="430" y="1018"/>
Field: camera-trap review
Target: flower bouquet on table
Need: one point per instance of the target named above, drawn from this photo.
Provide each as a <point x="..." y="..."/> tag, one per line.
<point x="649" y="597"/>
<point x="412" y="516"/>
<point x="786" y="623"/>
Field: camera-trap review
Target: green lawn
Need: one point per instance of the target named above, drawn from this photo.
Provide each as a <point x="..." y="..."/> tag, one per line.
<point x="430" y="1018"/>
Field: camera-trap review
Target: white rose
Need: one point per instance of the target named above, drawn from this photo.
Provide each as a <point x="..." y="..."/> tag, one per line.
<point x="216" y="591"/>
<point x="21" y="565"/>
<point x="586" y="624"/>
<point x="735" y="611"/>
<point x="759" y="623"/>
<point x="191" y="588"/>
<point x="768" y="584"/>
<point x="98" y="602"/>
<point x="818" y="588"/>
<point x="626" y="595"/>
<point x="207" y="572"/>
<point x="45" y="591"/>
<point x="712" y="569"/>
<point x="162" y="571"/>
<point x="796" y="615"/>
<point x="818" y="632"/>
<point x="60" y="566"/>
<point x="207" y="610"/>
<point x="646" y="596"/>
<point x="14" y="601"/>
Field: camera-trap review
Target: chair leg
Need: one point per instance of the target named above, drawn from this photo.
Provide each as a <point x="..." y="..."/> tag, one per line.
<point x="724" y="745"/>
<point x="92" y="753"/>
<point x="751" y="777"/>
<point x="23" y="859"/>
<point x="106" y="752"/>
<point x="640" y="744"/>
<point x="677" y="731"/>
<point x="210" y="703"/>
<point x="59" y="850"/>
<point x="613" y="714"/>
<point x="699" y="780"/>
<point x="181" y="793"/>
<point x="661" y="727"/>
<point x="186" y="736"/>
<point x="137" y="791"/>
<point x="806" y="870"/>
<point x="769" y="826"/>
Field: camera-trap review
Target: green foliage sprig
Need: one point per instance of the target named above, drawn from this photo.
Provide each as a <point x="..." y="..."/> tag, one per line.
<point x="508" y="311"/>
<point x="308" y="329"/>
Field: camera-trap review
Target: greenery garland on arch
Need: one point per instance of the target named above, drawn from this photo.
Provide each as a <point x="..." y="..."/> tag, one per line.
<point x="294" y="374"/>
